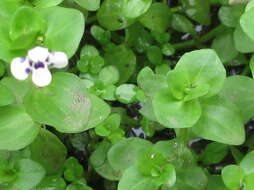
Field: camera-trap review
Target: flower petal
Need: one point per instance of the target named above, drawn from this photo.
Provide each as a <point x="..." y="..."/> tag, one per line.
<point x="20" y="68"/>
<point x="38" y="54"/>
<point x="41" y="77"/>
<point x="58" y="59"/>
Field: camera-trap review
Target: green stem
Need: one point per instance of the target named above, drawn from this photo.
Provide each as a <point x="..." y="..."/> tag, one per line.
<point x="182" y="135"/>
<point x="91" y="19"/>
<point x="196" y="42"/>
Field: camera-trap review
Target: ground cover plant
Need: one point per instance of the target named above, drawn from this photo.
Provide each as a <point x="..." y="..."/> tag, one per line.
<point x="126" y="95"/>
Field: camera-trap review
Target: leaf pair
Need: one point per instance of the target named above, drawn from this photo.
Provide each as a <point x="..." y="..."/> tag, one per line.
<point x="197" y="74"/>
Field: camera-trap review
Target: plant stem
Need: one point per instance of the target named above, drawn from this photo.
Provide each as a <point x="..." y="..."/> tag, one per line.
<point x="182" y="135"/>
<point x="195" y="42"/>
<point x="91" y="19"/>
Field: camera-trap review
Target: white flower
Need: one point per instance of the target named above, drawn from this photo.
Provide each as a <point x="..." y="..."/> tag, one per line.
<point x="37" y="61"/>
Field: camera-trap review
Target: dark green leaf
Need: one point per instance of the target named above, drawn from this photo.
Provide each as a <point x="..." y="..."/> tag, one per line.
<point x="49" y="151"/>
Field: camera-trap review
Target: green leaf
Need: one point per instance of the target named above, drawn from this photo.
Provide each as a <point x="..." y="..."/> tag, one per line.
<point x="67" y="100"/>
<point x="7" y="7"/>
<point x="242" y="42"/>
<point x="219" y="121"/>
<point x="133" y="180"/>
<point x="154" y="55"/>
<point x="232" y="176"/>
<point x="7" y="173"/>
<point x="100" y="163"/>
<point x="53" y="182"/>
<point x="3" y="68"/>
<point x="111" y="16"/>
<point x="17" y="129"/>
<point x="161" y="37"/>
<point x="246" y="22"/>
<point x="182" y="24"/>
<point x="215" y="182"/>
<point x="147" y="110"/>
<point x="181" y="88"/>
<point x="224" y="47"/>
<point x="214" y="153"/>
<point x="101" y="35"/>
<point x="123" y="59"/>
<point x="47" y="144"/>
<point x="73" y="170"/>
<point x="157" y="17"/>
<point x="197" y="10"/>
<point x="125" y="153"/>
<point x="246" y="163"/>
<point x="168" y="49"/>
<point x="173" y="113"/>
<point x="63" y="34"/>
<point x="203" y="67"/>
<point x="149" y="82"/>
<point x="18" y="88"/>
<point x="6" y="96"/>
<point x="177" y="152"/>
<point x="90" y="5"/>
<point x="89" y="50"/>
<point x="193" y="178"/>
<point x="109" y="125"/>
<point x="26" y="20"/>
<point x="240" y="91"/>
<point x="126" y="93"/>
<point x="138" y="37"/>
<point x="45" y="3"/>
<point x="29" y="174"/>
<point x="248" y="182"/>
<point x="249" y="6"/>
<point x="230" y="15"/>
<point x="135" y="8"/>
<point x="100" y="111"/>
<point x="78" y="187"/>
<point x="109" y="75"/>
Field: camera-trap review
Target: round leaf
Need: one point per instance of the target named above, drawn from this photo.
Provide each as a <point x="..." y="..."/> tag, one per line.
<point x="246" y="163"/>
<point x="173" y="113"/>
<point x="125" y="153"/>
<point x="88" y="4"/>
<point x="203" y="67"/>
<point x="135" y="8"/>
<point x="29" y="174"/>
<point x="219" y="121"/>
<point x="63" y="34"/>
<point x="111" y="16"/>
<point x="6" y="96"/>
<point x="17" y="129"/>
<point x="123" y="59"/>
<point x="232" y="176"/>
<point x="67" y="100"/>
<point x="49" y="151"/>
<point x="157" y="17"/>
<point x="45" y="3"/>
<point x="247" y="23"/>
